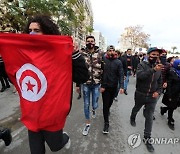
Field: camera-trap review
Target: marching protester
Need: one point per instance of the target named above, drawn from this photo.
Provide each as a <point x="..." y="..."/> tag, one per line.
<point x="137" y="58"/>
<point x="79" y="89"/>
<point x="148" y="89"/>
<point x="165" y="68"/>
<point x="45" y="103"/>
<point x="119" y="56"/>
<point x="171" y="97"/>
<point x="3" y="76"/>
<point x="129" y="66"/>
<point x="93" y="57"/>
<point x="112" y="73"/>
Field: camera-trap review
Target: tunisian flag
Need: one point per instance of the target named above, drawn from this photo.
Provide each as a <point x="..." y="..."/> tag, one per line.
<point x="40" y="67"/>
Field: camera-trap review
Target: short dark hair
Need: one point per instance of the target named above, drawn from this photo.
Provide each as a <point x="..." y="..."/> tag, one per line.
<point x="46" y="24"/>
<point x="169" y="59"/>
<point x="90" y="36"/>
<point x="129" y="49"/>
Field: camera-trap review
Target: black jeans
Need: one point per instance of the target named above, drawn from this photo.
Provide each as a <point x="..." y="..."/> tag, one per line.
<point x="170" y="112"/>
<point x="108" y="97"/>
<point x="150" y="104"/>
<point x="55" y="140"/>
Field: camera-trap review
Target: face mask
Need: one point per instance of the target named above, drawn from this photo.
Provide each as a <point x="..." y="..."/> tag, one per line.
<point x="90" y="45"/>
<point x="33" y="33"/>
<point x="163" y="60"/>
<point x="140" y="55"/>
<point x="128" y="55"/>
<point x="152" y="60"/>
<point x="112" y="55"/>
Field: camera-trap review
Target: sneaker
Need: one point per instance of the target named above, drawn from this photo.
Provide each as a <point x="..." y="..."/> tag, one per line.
<point x="6" y="136"/>
<point x="116" y="99"/>
<point x="8" y="86"/>
<point x="68" y="144"/>
<point x="133" y="122"/>
<point x="149" y="146"/>
<point x="125" y="92"/>
<point x="171" y="124"/>
<point x="79" y="97"/>
<point x="163" y="110"/>
<point x="86" y="130"/>
<point x="93" y="114"/>
<point x="3" y="89"/>
<point x="106" y="128"/>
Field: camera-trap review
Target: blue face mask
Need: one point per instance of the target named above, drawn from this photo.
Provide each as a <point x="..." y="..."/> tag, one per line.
<point x="33" y="33"/>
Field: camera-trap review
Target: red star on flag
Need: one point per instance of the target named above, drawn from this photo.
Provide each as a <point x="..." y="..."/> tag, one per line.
<point x="30" y="86"/>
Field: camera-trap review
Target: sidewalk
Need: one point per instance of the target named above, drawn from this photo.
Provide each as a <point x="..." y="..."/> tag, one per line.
<point x="9" y="109"/>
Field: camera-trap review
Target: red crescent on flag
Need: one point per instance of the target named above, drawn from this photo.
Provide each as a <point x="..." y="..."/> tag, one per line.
<point x="32" y="74"/>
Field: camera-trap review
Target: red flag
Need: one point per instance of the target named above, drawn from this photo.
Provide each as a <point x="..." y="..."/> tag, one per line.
<point x="40" y="67"/>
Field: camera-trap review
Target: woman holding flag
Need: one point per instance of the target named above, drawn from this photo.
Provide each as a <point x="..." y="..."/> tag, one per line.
<point x="43" y="77"/>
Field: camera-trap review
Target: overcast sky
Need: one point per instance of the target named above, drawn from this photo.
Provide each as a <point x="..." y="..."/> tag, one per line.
<point x="159" y="18"/>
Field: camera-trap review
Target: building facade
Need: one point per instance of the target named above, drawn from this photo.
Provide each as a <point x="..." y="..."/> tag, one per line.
<point x="86" y="26"/>
<point x="100" y="40"/>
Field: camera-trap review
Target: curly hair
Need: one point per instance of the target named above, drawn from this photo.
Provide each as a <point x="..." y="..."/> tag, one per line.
<point x="47" y="26"/>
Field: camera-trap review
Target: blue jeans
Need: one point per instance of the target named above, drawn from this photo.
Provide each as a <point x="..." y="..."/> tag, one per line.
<point x="87" y="90"/>
<point x="126" y="81"/>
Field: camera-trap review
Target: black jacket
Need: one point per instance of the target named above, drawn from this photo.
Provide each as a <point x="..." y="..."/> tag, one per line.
<point x="112" y="73"/>
<point x="124" y="63"/>
<point x="124" y="60"/>
<point x="172" y="90"/>
<point x="148" y="80"/>
<point x="80" y="71"/>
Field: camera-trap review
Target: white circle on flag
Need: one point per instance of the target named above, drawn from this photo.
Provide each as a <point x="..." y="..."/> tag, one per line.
<point x="32" y="82"/>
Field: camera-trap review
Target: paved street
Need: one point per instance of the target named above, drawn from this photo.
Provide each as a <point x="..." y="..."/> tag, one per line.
<point x="95" y="143"/>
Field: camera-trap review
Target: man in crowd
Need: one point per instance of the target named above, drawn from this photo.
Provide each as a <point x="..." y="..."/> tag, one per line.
<point x="3" y="76"/>
<point x="128" y="58"/>
<point x="148" y="89"/>
<point x="112" y="74"/>
<point x="93" y="59"/>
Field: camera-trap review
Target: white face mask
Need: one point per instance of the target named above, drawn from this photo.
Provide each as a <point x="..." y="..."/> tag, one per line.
<point x="128" y="54"/>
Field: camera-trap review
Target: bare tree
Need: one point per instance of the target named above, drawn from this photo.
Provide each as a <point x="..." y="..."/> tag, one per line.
<point x="134" y="37"/>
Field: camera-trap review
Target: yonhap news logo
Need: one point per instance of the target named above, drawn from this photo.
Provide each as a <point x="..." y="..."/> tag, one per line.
<point x="134" y="140"/>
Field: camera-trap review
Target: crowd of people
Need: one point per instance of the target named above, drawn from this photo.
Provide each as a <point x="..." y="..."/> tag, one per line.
<point x="155" y="74"/>
<point x="108" y="72"/>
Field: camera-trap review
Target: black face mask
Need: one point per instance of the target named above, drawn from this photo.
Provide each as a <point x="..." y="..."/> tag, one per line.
<point x="90" y="45"/>
<point x="152" y="60"/>
<point x="140" y="55"/>
<point x="163" y="60"/>
<point x="111" y="55"/>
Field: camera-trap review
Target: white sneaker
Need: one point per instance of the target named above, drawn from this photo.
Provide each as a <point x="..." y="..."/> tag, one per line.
<point x="68" y="144"/>
<point x="93" y="114"/>
<point x="86" y="130"/>
<point x="116" y="99"/>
